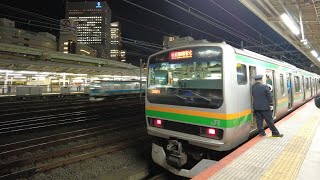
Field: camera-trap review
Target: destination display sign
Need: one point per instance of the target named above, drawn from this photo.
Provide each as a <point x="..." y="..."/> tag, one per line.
<point x="176" y="55"/>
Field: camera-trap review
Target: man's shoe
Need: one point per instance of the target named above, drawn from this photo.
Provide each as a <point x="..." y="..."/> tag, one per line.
<point x="262" y="135"/>
<point x="277" y="135"/>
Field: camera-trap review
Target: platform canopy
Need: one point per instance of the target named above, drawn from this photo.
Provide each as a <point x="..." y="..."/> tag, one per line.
<point x="13" y="57"/>
<point x="305" y="15"/>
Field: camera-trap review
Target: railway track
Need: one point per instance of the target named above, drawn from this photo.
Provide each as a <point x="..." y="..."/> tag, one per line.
<point x="48" y="151"/>
<point x="8" y="127"/>
<point x="12" y="169"/>
<point x="41" y="111"/>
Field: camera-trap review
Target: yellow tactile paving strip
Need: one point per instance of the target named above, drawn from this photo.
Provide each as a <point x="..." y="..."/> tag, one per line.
<point x="288" y="163"/>
<point x="275" y="158"/>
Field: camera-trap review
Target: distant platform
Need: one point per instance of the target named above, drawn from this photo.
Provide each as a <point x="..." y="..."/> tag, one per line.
<point x="294" y="156"/>
<point x="43" y="94"/>
<point x="13" y="97"/>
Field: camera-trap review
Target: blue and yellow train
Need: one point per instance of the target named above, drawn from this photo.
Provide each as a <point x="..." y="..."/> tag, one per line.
<point x="101" y="89"/>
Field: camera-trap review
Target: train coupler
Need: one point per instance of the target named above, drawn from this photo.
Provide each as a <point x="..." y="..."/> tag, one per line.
<point x="176" y="157"/>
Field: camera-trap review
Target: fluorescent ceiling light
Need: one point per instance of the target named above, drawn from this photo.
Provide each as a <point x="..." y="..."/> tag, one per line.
<point x="14" y="74"/>
<point x="290" y="24"/>
<point x="5" y="71"/>
<point x="314" y="53"/>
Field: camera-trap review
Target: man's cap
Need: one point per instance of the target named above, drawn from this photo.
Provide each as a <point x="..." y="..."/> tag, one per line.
<point x="257" y="77"/>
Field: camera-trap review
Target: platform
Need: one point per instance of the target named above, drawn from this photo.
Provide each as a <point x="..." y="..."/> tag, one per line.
<point x="43" y="94"/>
<point x="294" y="156"/>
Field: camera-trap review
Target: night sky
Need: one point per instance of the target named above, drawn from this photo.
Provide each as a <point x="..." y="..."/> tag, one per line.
<point x="133" y="19"/>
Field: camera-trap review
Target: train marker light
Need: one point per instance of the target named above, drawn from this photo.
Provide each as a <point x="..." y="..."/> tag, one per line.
<point x="290" y="24"/>
<point x="158" y="123"/>
<point x="211" y="131"/>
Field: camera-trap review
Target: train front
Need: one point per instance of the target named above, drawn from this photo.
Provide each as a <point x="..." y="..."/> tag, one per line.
<point x="183" y="104"/>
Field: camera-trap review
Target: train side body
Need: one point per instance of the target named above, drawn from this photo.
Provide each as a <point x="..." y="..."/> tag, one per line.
<point x="101" y="89"/>
<point x="176" y="126"/>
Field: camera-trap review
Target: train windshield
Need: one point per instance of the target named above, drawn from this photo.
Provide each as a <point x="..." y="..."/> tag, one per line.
<point x="187" y="77"/>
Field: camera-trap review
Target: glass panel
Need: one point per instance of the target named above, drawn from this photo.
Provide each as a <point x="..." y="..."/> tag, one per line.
<point x="186" y="77"/>
<point x="282" y="84"/>
<point x="242" y="74"/>
<point x="297" y="83"/>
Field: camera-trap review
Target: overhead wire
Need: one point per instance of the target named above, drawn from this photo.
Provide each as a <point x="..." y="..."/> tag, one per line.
<point x="225" y="27"/>
<point x="30" y="13"/>
<point x="159" y="46"/>
<point x="29" y="20"/>
<point x="140" y="46"/>
<point x="245" y="23"/>
<point x="232" y="31"/>
<point x="142" y="25"/>
<point x="183" y="24"/>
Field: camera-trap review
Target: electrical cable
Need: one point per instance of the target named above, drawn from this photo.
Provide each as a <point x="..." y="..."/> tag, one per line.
<point x="191" y="27"/>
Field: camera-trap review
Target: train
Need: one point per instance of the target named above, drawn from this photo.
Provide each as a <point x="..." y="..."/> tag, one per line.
<point x="198" y="101"/>
<point x="101" y="89"/>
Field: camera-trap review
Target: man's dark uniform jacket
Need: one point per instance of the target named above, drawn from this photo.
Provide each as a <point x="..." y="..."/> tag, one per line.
<point x="262" y="96"/>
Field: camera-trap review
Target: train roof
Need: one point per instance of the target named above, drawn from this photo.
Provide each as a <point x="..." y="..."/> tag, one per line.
<point x="242" y="52"/>
<point x="271" y="60"/>
<point x="264" y="58"/>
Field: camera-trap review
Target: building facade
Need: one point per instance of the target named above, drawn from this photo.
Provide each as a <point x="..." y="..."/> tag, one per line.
<point x="116" y="52"/>
<point x="11" y="35"/>
<point x="176" y="41"/>
<point x="93" y="24"/>
<point x="68" y="36"/>
<point x="86" y="50"/>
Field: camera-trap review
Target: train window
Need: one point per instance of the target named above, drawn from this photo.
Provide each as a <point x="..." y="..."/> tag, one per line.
<point x="187" y="77"/>
<point x="307" y="84"/>
<point x="242" y="74"/>
<point x="282" y="84"/>
<point x="297" y="83"/>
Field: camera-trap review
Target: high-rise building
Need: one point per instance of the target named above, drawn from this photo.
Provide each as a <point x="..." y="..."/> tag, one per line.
<point x="68" y="40"/>
<point x="68" y="36"/>
<point x="116" y="52"/>
<point x="93" y="24"/>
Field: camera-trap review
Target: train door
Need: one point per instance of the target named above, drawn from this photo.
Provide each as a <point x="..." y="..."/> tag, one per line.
<point x="252" y="73"/>
<point x="317" y="87"/>
<point x="311" y="86"/>
<point x="289" y="88"/>
<point x="303" y="89"/>
<point x="314" y="86"/>
<point x="270" y="81"/>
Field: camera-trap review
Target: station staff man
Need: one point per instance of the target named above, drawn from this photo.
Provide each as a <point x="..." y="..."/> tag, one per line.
<point x="262" y="106"/>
